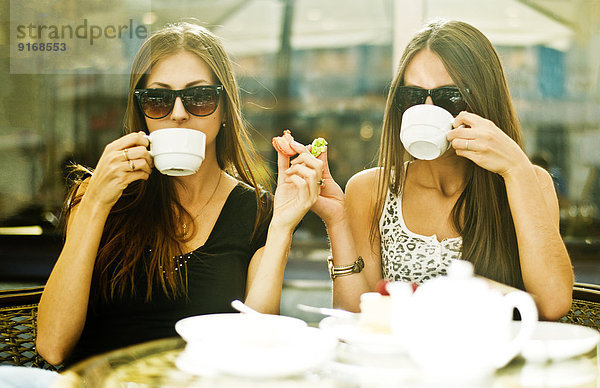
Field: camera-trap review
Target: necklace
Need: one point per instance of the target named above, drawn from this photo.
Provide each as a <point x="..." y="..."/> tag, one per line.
<point x="185" y="233"/>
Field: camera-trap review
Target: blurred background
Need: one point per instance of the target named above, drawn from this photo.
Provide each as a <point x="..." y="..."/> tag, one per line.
<point x="320" y="68"/>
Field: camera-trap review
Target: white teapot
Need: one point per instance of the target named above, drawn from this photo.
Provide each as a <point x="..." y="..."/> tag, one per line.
<point x="458" y="326"/>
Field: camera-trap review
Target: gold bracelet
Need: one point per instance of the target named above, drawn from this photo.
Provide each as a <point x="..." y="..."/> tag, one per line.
<point x="344" y="270"/>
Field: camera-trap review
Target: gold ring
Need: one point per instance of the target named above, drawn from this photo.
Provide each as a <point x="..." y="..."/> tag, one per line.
<point x="125" y="154"/>
<point x="131" y="165"/>
<point x="467" y="145"/>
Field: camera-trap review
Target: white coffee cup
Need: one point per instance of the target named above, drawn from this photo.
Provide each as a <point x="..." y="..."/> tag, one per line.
<point x="177" y="151"/>
<point x="424" y="129"/>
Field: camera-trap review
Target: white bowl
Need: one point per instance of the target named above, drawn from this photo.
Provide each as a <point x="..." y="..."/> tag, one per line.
<point x="251" y="345"/>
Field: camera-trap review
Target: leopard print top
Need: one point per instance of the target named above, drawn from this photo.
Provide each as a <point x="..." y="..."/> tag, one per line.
<point x="410" y="257"/>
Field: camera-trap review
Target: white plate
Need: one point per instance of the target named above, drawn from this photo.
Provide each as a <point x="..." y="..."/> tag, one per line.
<point x="348" y="330"/>
<point x="559" y="341"/>
<point x="204" y="327"/>
<point x="248" y="345"/>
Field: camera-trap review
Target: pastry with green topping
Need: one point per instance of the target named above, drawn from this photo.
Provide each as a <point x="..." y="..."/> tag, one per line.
<point x="318" y="146"/>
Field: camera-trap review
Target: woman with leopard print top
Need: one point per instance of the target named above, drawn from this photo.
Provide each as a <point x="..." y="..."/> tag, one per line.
<point x="481" y="201"/>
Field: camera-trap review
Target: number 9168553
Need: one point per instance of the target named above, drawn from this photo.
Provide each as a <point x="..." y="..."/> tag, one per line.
<point x="43" y="47"/>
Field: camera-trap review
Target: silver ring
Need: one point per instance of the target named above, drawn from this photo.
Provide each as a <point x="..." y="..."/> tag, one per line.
<point x="125" y="154"/>
<point x="131" y="165"/>
<point x="467" y="145"/>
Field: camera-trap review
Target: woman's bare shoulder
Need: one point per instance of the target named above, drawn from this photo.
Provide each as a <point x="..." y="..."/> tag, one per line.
<point x="364" y="179"/>
<point x="363" y="184"/>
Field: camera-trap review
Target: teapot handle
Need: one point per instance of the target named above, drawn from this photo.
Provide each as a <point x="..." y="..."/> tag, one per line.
<point x="523" y="302"/>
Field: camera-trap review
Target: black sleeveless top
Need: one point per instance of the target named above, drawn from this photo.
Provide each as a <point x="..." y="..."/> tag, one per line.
<point x="216" y="274"/>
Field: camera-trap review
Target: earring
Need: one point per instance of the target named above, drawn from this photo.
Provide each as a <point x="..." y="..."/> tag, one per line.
<point x="223" y="125"/>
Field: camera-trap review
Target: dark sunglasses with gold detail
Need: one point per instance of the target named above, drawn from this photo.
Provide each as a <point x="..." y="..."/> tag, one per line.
<point x="198" y="100"/>
<point x="448" y="97"/>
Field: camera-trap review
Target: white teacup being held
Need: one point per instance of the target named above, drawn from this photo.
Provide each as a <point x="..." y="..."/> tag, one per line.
<point x="177" y="151"/>
<point x="424" y="129"/>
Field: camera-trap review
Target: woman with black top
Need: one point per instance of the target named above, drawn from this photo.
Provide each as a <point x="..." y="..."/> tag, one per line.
<point x="143" y="249"/>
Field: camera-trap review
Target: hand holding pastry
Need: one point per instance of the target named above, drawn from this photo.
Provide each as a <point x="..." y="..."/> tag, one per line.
<point x="298" y="182"/>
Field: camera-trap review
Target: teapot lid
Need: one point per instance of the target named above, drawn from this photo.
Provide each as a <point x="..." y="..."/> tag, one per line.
<point x="459" y="281"/>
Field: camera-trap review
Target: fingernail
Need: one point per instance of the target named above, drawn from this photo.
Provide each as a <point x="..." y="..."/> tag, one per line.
<point x="297" y="144"/>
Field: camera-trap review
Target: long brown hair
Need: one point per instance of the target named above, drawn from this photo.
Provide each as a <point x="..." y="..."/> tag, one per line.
<point x="481" y="214"/>
<point x="147" y="219"/>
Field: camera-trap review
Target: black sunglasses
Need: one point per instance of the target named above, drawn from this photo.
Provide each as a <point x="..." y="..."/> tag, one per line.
<point x="198" y="100"/>
<point x="447" y="97"/>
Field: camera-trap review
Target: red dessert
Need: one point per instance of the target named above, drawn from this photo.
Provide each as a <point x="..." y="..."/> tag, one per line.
<point x="381" y="287"/>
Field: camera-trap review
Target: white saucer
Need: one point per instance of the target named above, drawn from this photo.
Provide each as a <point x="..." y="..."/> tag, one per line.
<point x="559" y="341"/>
<point x="348" y="330"/>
